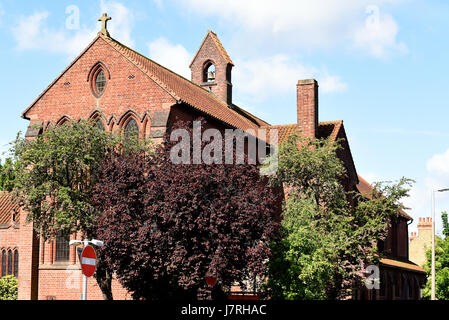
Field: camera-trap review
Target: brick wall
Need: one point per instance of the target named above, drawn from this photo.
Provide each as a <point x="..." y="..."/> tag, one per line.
<point x="307" y="107"/>
<point x="65" y="282"/>
<point x="128" y="92"/>
<point x="9" y="241"/>
<point x="20" y="236"/>
<point x="421" y="242"/>
<point x="209" y="52"/>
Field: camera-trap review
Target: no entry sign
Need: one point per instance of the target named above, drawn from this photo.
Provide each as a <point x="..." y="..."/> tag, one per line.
<point x="88" y="261"/>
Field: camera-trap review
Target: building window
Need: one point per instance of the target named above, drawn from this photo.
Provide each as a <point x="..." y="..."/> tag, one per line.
<point x="131" y="130"/>
<point x="98" y="80"/>
<point x="14" y="216"/>
<point x="3" y="263"/>
<point x="63" y="122"/>
<point x="16" y="263"/>
<point x="99" y="124"/>
<point x="62" y="248"/>
<point x="9" y="262"/>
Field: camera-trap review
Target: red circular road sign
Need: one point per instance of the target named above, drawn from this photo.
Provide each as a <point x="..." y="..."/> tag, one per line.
<point x="88" y="261"/>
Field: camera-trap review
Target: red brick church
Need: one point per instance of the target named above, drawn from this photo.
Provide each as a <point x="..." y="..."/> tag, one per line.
<point x="121" y="89"/>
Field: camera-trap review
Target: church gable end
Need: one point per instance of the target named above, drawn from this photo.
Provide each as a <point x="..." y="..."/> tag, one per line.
<point x="101" y="79"/>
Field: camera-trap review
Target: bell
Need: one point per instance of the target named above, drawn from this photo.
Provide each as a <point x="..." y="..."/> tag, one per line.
<point x="211" y="76"/>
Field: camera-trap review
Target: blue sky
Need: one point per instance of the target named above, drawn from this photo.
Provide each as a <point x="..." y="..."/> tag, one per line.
<point x="381" y="65"/>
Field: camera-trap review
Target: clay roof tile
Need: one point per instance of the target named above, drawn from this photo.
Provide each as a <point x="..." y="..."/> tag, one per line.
<point x="7" y="206"/>
<point x="184" y="90"/>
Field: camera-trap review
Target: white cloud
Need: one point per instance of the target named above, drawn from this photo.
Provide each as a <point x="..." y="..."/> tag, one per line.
<point x="250" y="76"/>
<point x="171" y="56"/>
<point x="278" y="74"/>
<point x="378" y="37"/>
<point x="307" y="24"/>
<point x="438" y="165"/>
<point x="261" y="77"/>
<point x="33" y="33"/>
<point x="120" y="27"/>
<point x="331" y="83"/>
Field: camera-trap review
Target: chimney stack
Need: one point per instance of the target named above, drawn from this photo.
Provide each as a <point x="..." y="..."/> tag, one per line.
<point x="307" y="104"/>
<point x="425" y="227"/>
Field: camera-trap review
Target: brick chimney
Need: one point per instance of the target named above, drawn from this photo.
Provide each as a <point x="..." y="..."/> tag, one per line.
<point x="421" y="241"/>
<point x="307" y="104"/>
<point x="425" y="227"/>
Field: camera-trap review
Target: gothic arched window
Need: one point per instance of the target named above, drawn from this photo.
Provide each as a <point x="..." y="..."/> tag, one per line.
<point x="3" y="263"/>
<point x="9" y="262"/>
<point x="100" y="82"/>
<point x="99" y="124"/>
<point x="16" y="263"/>
<point x="62" y="248"/>
<point x="131" y="130"/>
<point x="63" y="121"/>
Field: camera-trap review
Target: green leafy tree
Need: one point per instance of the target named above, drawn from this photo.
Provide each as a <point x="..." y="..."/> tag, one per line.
<point x="328" y="233"/>
<point x="441" y="265"/>
<point x="167" y="225"/>
<point x="7" y="175"/>
<point x="55" y="177"/>
<point x="445" y="223"/>
<point x="8" y="288"/>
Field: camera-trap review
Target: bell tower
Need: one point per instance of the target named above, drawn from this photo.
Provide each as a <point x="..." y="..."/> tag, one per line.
<point x="211" y="68"/>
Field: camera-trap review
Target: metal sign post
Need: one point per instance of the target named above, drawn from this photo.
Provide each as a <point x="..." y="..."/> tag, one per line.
<point x="88" y="260"/>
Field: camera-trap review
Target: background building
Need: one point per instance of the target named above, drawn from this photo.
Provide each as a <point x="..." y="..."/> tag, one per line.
<point x="421" y="242"/>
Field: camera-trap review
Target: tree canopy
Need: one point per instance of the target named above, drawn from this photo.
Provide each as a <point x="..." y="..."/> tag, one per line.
<point x="7" y="175"/>
<point x="329" y="234"/>
<point x="166" y="226"/>
<point x="441" y="265"/>
<point x="8" y="288"/>
<point x="55" y="176"/>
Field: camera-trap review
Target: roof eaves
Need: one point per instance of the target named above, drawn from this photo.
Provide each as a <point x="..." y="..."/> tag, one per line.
<point x="401" y="265"/>
<point x="122" y="50"/>
<point x="117" y="46"/>
<point x="221" y="48"/>
<point x="260" y="121"/>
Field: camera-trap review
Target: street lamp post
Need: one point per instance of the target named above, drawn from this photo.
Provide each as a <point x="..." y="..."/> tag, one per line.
<point x="433" y="241"/>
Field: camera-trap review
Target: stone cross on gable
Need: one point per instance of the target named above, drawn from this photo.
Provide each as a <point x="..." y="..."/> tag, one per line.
<point x="104" y="19"/>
